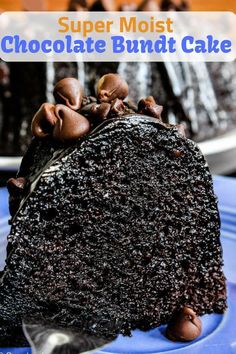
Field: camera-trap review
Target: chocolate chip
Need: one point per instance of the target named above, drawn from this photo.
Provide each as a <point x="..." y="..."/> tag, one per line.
<point x="110" y="87"/>
<point x="68" y="91"/>
<point x="86" y="110"/>
<point x="177" y="153"/>
<point x="87" y="100"/>
<point x="149" y="107"/>
<point x="117" y="107"/>
<point x="70" y="125"/>
<point x="96" y="111"/>
<point x="185" y="326"/>
<point x="16" y="185"/>
<point x="44" y="121"/>
<point x="102" y="110"/>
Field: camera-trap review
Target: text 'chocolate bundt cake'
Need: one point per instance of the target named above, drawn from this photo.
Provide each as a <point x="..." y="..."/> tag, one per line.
<point x="115" y="223"/>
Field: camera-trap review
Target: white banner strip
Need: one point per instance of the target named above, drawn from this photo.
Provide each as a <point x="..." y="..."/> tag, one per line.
<point x="118" y="36"/>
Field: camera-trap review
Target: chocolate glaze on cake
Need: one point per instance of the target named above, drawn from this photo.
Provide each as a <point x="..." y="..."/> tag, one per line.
<point x="118" y="229"/>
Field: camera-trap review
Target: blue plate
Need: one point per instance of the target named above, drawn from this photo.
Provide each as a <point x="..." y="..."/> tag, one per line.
<point x="219" y="331"/>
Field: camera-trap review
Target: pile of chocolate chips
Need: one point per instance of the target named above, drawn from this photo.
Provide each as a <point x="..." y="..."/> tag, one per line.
<point x="75" y="115"/>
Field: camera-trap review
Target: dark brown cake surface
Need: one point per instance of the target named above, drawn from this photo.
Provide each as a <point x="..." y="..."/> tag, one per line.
<point x="119" y="232"/>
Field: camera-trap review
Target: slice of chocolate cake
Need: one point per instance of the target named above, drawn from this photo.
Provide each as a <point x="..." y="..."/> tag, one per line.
<point x="118" y="229"/>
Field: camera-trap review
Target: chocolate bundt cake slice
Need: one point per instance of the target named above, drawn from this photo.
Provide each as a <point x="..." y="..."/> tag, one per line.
<point x="119" y="230"/>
